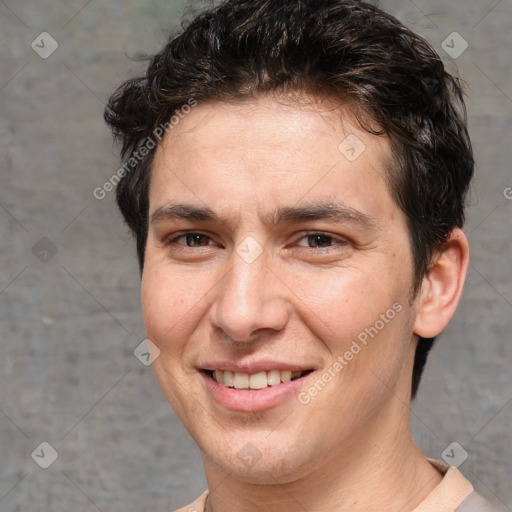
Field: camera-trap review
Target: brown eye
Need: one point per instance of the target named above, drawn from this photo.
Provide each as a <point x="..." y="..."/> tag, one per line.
<point x="322" y="241"/>
<point x="190" y="239"/>
<point x="319" y="240"/>
<point x="195" y="239"/>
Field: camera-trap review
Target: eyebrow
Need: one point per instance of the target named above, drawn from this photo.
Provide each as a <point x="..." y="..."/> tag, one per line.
<point x="335" y="212"/>
<point x="185" y="212"/>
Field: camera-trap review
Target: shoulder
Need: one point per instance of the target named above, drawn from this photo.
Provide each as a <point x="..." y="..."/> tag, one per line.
<point x="477" y="503"/>
<point x="197" y="505"/>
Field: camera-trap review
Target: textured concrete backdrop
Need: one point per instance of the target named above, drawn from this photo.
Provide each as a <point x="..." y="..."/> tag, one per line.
<point x="69" y="285"/>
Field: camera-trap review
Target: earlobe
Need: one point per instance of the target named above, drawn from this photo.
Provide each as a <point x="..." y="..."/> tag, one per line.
<point x="441" y="288"/>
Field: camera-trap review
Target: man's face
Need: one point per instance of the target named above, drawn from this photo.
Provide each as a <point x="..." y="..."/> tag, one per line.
<point x="272" y="249"/>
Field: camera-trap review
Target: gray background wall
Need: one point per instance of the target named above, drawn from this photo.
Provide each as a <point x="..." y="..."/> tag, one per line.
<point x="69" y="286"/>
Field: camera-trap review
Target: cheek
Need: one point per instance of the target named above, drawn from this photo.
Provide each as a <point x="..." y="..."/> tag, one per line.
<point x="345" y="302"/>
<point x="363" y="317"/>
<point x="169" y="303"/>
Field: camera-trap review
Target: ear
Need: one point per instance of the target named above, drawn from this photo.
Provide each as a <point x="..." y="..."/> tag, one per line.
<point x="442" y="287"/>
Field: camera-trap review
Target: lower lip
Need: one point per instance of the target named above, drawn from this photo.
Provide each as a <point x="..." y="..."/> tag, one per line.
<point x="253" y="400"/>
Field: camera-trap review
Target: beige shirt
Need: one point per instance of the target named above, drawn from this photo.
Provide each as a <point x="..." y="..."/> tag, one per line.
<point x="448" y="496"/>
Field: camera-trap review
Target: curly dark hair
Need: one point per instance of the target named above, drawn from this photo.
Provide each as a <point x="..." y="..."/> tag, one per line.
<point x="350" y="50"/>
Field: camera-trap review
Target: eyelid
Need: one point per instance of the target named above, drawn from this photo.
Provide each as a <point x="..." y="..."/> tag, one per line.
<point x="172" y="239"/>
<point x="336" y="239"/>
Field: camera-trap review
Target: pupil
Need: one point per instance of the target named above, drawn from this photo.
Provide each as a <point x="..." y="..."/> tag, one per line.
<point x="318" y="240"/>
<point x="195" y="239"/>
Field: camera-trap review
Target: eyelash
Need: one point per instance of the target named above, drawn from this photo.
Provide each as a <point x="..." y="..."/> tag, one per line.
<point x="174" y="239"/>
<point x="333" y="239"/>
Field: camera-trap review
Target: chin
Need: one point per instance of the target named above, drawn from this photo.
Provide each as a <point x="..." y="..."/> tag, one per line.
<point x="261" y="460"/>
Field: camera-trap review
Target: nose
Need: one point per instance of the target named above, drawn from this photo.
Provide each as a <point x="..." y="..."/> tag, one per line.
<point x="250" y="300"/>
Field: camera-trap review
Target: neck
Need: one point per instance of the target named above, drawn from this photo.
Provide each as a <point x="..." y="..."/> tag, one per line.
<point x="392" y="475"/>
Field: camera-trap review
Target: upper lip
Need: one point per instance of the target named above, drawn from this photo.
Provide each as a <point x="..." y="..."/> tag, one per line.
<point x="253" y="366"/>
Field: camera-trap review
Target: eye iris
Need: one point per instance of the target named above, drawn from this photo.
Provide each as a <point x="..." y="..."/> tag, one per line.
<point x="195" y="239"/>
<point x="319" y="240"/>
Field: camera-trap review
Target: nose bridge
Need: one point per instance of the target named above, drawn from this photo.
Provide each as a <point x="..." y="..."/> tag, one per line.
<point x="244" y="284"/>
<point x="249" y="299"/>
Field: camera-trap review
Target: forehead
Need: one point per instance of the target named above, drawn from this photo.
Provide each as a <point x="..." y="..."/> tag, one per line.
<point x="268" y="152"/>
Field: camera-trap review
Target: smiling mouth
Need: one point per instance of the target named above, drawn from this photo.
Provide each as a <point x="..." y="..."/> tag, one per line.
<point x="260" y="380"/>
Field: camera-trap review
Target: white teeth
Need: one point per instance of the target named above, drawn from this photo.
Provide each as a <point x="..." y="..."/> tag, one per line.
<point x="286" y="376"/>
<point x="241" y="380"/>
<point x="228" y="379"/>
<point x="258" y="380"/>
<point x="273" y="377"/>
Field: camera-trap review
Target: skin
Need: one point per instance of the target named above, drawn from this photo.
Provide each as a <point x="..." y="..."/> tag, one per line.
<point x="304" y="299"/>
